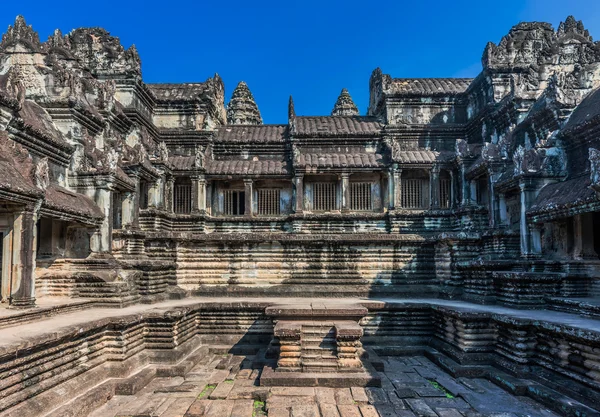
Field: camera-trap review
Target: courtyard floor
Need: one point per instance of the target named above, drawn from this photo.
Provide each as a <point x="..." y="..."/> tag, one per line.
<point x="225" y="385"/>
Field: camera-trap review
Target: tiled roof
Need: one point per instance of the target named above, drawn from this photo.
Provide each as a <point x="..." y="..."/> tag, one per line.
<point x="588" y="109"/>
<point x="429" y="86"/>
<point x="423" y="156"/>
<point x="339" y="160"/>
<point x="247" y="167"/>
<point x="563" y="195"/>
<point x="249" y="133"/>
<point x="66" y="201"/>
<point x="182" y="162"/>
<point x="177" y="92"/>
<point x="337" y="126"/>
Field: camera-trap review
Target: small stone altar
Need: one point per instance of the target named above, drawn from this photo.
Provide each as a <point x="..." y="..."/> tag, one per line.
<point x="318" y="344"/>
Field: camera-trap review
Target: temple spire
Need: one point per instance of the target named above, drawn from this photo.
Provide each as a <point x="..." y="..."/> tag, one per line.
<point x="20" y="32"/>
<point x="242" y="109"/>
<point x="344" y="106"/>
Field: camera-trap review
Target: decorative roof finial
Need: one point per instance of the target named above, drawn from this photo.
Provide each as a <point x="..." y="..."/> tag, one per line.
<point x="242" y="109"/>
<point x="20" y="32"/>
<point x="291" y="110"/>
<point x="344" y="106"/>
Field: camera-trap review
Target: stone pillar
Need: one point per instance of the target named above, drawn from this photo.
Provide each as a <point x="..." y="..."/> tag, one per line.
<point x="201" y="195"/>
<point x="397" y="188"/>
<point x="502" y="212"/>
<point x="169" y="190"/>
<point x="472" y="192"/>
<point x="536" y="239"/>
<point x="22" y="286"/>
<point x="299" y="185"/>
<point x="194" y="195"/>
<point x="452" y="189"/>
<point x="434" y="187"/>
<point x="156" y="193"/>
<point x="390" y="190"/>
<point x="465" y="186"/>
<point x="528" y="194"/>
<point x="131" y="207"/>
<point x="345" y="192"/>
<point x="127" y="210"/>
<point x="101" y="241"/>
<point x="248" y="192"/>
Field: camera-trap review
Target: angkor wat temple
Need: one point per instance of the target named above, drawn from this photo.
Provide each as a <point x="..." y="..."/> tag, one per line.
<point x="450" y="234"/>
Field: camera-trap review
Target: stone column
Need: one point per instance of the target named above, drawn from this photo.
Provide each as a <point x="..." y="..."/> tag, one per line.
<point x="101" y="240"/>
<point x="472" y="192"/>
<point x="452" y="189"/>
<point x="345" y="192"/>
<point x="390" y="190"/>
<point x="127" y="210"/>
<point x="22" y="286"/>
<point x="248" y="192"/>
<point x="528" y="194"/>
<point x="536" y="239"/>
<point x="502" y="211"/>
<point x="299" y="185"/>
<point x="156" y="193"/>
<point x="201" y="195"/>
<point x="194" y="195"/>
<point x="169" y="189"/>
<point x="434" y="187"/>
<point x="397" y="188"/>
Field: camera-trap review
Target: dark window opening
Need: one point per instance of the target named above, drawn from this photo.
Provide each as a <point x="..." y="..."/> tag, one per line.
<point x="235" y="202"/>
<point x="182" y="194"/>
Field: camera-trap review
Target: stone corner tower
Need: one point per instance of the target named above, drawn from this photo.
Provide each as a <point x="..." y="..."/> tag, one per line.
<point x="242" y="109"/>
<point x="344" y="106"/>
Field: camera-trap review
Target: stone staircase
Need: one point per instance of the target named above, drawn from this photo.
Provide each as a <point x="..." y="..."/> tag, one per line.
<point x="318" y="347"/>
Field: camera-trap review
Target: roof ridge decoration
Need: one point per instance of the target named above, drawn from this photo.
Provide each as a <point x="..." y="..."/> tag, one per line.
<point x="344" y="106"/>
<point x="573" y="27"/>
<point x="103" y="54"/>
<point x="20" y="33"/>
<point x="291" y="115"/>
<point x="536" y="43"/>
<point x="242" y="108"/>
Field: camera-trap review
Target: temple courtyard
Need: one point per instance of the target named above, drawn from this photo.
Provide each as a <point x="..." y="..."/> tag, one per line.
<point x="225" y="372"/>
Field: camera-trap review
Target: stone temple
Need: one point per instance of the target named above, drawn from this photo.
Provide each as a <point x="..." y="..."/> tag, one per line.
<point x="165" y="254"/>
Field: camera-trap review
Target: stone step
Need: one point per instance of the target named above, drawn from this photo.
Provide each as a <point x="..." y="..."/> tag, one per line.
<point x="313" y="359"/>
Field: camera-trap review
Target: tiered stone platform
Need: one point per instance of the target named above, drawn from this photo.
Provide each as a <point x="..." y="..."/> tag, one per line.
<point x="318" y="344"/>
<point x="202" y="357"/>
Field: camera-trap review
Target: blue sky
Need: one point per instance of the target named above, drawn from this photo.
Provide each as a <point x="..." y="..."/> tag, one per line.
<point x="309" y="49"/>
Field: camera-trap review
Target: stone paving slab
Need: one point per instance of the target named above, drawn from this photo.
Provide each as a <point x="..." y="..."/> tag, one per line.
<point x="243" y="397"/>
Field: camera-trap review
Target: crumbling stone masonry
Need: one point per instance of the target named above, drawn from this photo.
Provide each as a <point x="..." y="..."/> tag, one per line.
<point x="458" y="221"/>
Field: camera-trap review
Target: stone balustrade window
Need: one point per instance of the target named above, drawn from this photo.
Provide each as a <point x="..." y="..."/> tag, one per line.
<point x="414" y="193"/>
<point x="269" y="202"/>
<point x="324" y="196"/>
<point x="182" y="194"/>
<point x="445" y="193"/>
<point x="360" y="196"/>
<point x="234" y="202"/>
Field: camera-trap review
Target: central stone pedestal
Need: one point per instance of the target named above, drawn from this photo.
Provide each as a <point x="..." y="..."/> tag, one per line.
<point x="318" y="345"/>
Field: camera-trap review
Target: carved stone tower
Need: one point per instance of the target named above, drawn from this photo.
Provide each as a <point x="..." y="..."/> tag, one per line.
<point x="242" y="109"/>
<point x="344" y="106"/>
